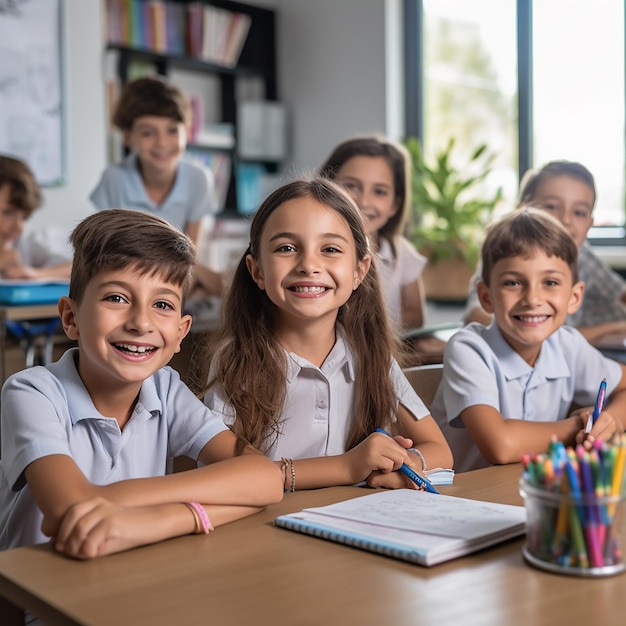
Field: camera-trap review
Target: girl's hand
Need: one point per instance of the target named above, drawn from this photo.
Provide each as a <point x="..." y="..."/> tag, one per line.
<point x="395" y="480"/>
<point x="378" y="453"/>
<point x="96" y="527"/>
<point x="604" y="428"/>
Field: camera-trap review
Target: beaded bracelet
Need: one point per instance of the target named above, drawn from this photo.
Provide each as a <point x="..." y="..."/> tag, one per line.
<point x="203" y="523"/>
<point x="420" y="455"/>
<point x="292" y="487"/>
<point x="284" y="462"/>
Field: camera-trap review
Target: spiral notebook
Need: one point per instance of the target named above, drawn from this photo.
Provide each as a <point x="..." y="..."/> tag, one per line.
<point x="414" y="526"/>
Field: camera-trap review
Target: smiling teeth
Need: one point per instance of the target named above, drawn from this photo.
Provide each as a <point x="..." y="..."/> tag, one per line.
<point x="309" y="289"/>
<point x="533" y="319"/>
<point x="133" y="348"/>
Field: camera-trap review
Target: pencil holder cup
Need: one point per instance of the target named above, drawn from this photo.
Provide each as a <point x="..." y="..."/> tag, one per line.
<point x="580" y="535"/>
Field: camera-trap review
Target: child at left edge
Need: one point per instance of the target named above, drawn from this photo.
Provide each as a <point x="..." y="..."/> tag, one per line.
<point x="85" y="440"/>
<point x="23" y="255"/>
<point x="508" y="388"/>
<point x="303" y="367"/>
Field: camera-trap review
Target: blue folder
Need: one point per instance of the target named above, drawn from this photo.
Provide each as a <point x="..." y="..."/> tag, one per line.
<point x="34" y="292"/>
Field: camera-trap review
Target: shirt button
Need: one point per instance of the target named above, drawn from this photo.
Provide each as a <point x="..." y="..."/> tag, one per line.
<point x="322" y="404"/>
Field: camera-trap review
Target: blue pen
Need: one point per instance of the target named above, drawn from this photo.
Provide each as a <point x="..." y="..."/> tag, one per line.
<point x="598" y="407"/>
<point x="407" y="471"/>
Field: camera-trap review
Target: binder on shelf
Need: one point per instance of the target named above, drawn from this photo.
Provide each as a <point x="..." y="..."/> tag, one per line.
<point x="248" y="181"/>
<point x="262" y="130"/>
<point x="215" y="136"/>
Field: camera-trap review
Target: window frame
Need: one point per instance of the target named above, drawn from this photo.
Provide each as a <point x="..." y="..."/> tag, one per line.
<point x="414" y="93"/>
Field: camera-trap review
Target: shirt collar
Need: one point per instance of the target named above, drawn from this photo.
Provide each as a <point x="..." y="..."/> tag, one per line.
<point x="137" y="192"/>
<point x="340" y="357"/>
<point x="551" y="363"/>
<point x="80" y="404"/>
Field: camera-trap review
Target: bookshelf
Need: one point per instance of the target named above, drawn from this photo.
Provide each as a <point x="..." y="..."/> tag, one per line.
<point x="169" y="36"/>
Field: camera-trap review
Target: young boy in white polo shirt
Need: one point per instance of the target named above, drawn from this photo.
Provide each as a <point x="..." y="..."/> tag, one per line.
<point x="509" y="387"/>
<point x="154" y="116"/>
<point x="85" y="440"/>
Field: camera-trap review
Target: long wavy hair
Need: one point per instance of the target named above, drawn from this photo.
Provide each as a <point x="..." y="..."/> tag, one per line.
<point x="246" y="360"/>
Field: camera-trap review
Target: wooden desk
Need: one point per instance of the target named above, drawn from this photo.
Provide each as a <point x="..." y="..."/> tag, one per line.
<point x="21" y="313"/>
<point x="251" y="572"/>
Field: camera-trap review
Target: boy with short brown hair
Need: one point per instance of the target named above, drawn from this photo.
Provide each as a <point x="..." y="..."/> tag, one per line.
<point x="86" y="440"/>
<point x="508" y="388"/>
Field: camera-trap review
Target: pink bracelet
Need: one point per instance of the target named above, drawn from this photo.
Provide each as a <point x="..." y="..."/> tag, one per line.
<point x="202" y="516"/>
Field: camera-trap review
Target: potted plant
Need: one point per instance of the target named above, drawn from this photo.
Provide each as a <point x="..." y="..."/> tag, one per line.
<point x="448" y="216"/>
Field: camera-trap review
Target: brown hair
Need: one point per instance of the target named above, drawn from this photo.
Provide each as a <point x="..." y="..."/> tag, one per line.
<point x="151" y="95"/>
<point x="396" y="156"/>
<point x="533" y="178"/>
<point x="24" y="194"/>
<point x="119" y="238"/>
<point x="523" y="231"/>
<point x="249" y="363"/>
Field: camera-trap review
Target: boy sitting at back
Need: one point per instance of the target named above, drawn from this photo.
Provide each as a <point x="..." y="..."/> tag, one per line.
<point x="508" y="388"/>
<point x="154" y="116"/>
<point x="85" y="440"/>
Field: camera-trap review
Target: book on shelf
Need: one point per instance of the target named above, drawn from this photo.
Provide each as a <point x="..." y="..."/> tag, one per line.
<point x="197" y="29"/>
<point x="415" y="526"/>
<point x="220" y="165"/>
<point x="223" y="34"/>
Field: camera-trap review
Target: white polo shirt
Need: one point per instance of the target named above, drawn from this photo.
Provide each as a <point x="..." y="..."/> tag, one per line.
<point x="315" y="419"/>
<point x="396" y="272"/>
<point x="47" y="410"/>
<point x="192" y="197"/>
<point x="480" y="367"/>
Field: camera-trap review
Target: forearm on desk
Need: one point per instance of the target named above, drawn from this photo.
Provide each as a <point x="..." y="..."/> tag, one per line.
<point x="317" y="472"/>
<point x="597" y="332"/>
<point x="506" y="440"/>
<point x="249" y="480"/>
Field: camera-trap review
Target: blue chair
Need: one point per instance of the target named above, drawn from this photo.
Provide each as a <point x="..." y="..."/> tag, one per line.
<point x="36" y="337"/>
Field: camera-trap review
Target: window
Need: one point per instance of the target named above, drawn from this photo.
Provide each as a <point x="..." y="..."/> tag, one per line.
<point x="567" y="62"/>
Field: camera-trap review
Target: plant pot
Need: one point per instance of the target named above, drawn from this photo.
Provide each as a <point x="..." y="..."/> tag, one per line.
<point x="447" y="280"/>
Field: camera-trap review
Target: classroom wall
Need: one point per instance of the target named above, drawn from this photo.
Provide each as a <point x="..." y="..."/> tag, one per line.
<point x="331" y="56"/>
<point x="85" y="120"/>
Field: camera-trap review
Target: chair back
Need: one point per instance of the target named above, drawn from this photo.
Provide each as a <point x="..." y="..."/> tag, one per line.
<point x="425" y="379"/>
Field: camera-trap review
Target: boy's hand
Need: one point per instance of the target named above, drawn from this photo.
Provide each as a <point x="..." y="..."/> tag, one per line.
<point x="382" y="455"/>
<point x="20" y="271"/>
<point x="96" y="527"/>
<point x="10" y="263"/>
<point x="604" y="428"/>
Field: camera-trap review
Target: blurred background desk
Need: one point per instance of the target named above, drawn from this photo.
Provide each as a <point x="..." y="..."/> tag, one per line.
<point x="22" y="313"/>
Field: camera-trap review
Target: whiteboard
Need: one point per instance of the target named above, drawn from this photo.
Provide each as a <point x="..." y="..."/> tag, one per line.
<point x="31" y="86"/>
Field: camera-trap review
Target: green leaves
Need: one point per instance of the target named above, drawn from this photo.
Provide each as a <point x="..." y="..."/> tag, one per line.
<point x="449" y="211"/>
